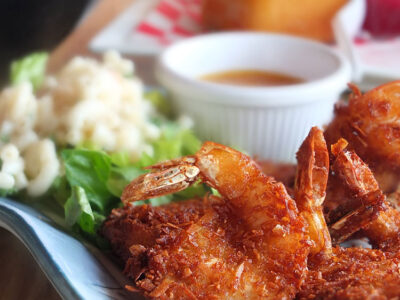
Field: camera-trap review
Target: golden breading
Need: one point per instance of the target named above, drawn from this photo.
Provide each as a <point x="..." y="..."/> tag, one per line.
<point x="353" y="273"/>
<point x="282" y="172"/>
<point x="370" y="123"/>
<point x="199" y="249"/>
<point x="255" y="241"/>
<point x="144" y="224"/>
<point x="250" y="243"/>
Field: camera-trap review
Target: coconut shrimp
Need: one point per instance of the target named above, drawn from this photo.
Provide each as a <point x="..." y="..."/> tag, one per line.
<point x="250" y="243"/>
<point x="353" y="273"/>
<point x="344" y="273"/>
<point x="367" y="200"/>
<point x="363" y="204"/>
<point x="384" y="232"/>
<point x="371" y="124"/>
<point x="282" y="172"/>
<point x="336" y="273"/>
<point x="310" y="186"/>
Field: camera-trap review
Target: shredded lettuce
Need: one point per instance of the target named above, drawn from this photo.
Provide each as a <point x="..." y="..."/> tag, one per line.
<point x="4" y="138"/>
<point x="121" y="159"/>
<point x="120" y="178"/>
<point x="159" y="101"/>
<point x="8" y="192"/>
<point x="215" y="192"/>
<point x="78" y="210"/>
<point x="29" y="68"/>
<point x="94" y="180"/>
<point x="60" y="190"/>
<point x="174" y="142"/>
<point x="89" y="170"/>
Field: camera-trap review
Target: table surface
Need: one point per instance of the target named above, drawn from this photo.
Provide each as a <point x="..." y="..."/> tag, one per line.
<point x="20" y="276"/>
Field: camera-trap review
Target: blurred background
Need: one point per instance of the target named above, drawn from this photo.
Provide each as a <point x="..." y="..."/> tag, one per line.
<point x="365" y="30"/>
<point x="29" y="25"/>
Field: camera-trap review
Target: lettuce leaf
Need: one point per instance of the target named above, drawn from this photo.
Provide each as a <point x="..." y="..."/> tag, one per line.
<point x="30" y="68"/>
<point x="78" y="210"/>
<point x="94" y="180"/>
<point x="159" y="101"/>
<point x="174" y="142"/>
<point x="60" y="190"/>
<point x="89" y="170"/>
<point x="9" y="192"/>
<point x="120" y="177"/>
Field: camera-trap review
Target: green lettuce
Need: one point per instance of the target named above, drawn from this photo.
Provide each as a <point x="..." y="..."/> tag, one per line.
<point x="78" y="210"/>
<point x="89" y="170"/>
<point x="29" y="68"/>
<point x="120" y="177"/>
<point x="173" y="143"/>
<point x="4" y="192"/>
<point x="8" y="192"/>
<point x="159" y="101"/>
<point x="94" y="180"/>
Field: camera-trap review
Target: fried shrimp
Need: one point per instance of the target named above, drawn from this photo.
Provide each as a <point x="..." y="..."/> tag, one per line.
<point x="254" y="241"/>
<point x="363" y="204"/>
<point x="310" y="186"/>
<point x="353" y="273"/>
<point x="250" y="243"/>
<point x="367" y="200"/>
<point x="371" y="124"/>
<point x="350" y="273"/>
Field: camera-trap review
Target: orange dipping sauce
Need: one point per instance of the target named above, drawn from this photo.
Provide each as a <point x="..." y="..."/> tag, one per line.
<point x="251" y="78"/>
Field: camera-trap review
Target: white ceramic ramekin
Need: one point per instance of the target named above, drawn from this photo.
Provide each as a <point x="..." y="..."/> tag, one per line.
<point x="267" y="122"/>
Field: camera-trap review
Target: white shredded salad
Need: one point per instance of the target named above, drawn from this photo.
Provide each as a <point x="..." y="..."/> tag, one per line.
<point x="87" y="101"/>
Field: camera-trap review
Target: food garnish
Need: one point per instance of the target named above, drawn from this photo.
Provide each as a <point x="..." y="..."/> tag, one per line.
<point x="71" y="141"/>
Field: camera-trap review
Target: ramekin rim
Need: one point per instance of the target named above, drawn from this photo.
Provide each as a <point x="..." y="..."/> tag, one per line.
<point x="255" y="95"/>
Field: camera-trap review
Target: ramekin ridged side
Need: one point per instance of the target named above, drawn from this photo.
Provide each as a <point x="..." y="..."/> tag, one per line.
<point x="273" y="133"/>
<point x="266" y="122"/>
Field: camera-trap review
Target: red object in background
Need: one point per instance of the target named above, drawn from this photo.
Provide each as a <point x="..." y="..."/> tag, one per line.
<point x="383" y="17"/>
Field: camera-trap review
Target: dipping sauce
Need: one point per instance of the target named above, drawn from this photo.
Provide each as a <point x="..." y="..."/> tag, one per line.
<point x="252" y="78"/>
